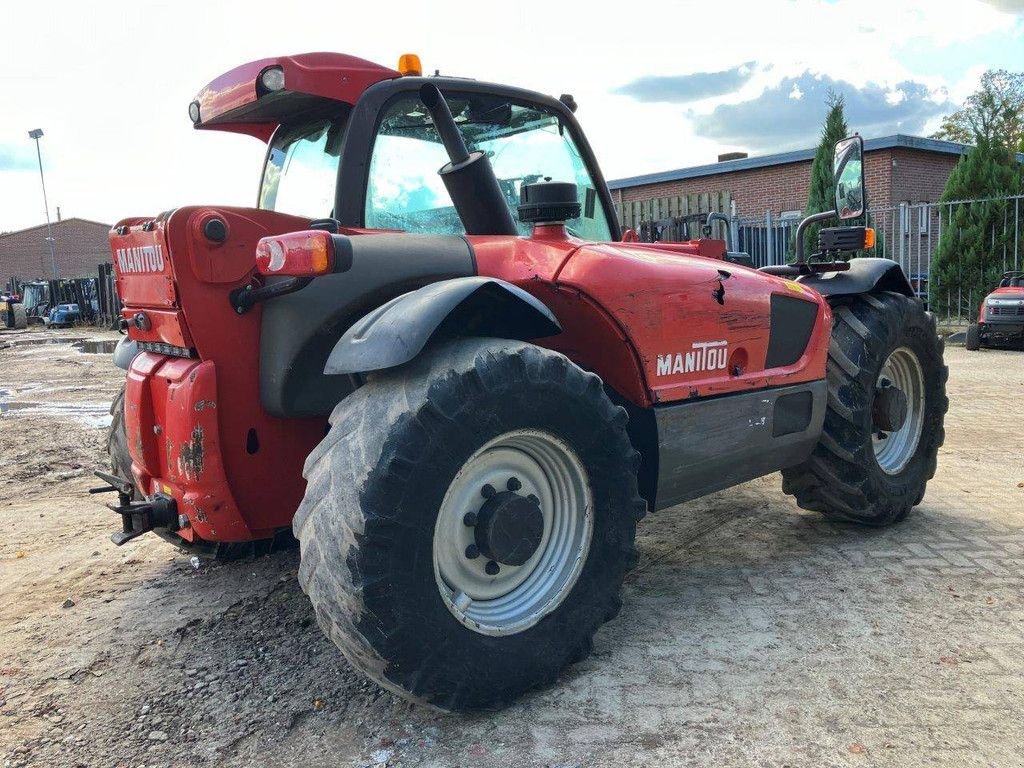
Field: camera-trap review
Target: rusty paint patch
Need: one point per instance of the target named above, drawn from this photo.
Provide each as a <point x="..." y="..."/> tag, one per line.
<point x="192" y="455"/>
<point x="201" y="404"/>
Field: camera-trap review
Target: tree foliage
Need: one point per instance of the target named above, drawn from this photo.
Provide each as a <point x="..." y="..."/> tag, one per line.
<point x="822" y="195"/>
<point x="978" y="237"/>
<point x="994" y="112"/>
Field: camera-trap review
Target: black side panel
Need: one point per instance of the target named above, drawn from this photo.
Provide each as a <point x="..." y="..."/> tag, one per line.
<point x="863" y="276"/>
<point x="299" y="330"/>
<point x="791" y="326"/>
<point x="396" y="332"/>
<point x="707" y="445"/>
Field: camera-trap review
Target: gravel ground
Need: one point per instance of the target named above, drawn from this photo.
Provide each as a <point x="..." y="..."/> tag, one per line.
<point x="753" y="633"/>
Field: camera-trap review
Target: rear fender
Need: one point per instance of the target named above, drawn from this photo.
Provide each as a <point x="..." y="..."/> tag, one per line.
<point x="863" y="276"/>
<point x="125" y="352"/>
<point x="396" y="332"/>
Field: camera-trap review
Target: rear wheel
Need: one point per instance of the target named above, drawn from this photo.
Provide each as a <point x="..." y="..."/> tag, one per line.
<point x="117" y="444"/>
<point x="973" y="340"/>
<point x="468" y="522"/>
<point x="884" y="420"/>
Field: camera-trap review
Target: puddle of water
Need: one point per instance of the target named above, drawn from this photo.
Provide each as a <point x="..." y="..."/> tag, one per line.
<point x="96" y="346"/>
<point x="91" y="414"/>
<point x="88" y="346"/>
<point x="42" y="340"/>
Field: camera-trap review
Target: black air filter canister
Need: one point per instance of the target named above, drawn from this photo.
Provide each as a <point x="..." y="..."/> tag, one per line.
<point x="548" y="201"/>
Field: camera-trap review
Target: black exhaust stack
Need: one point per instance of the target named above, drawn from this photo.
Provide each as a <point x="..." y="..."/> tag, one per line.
<point x="468" y="176"/>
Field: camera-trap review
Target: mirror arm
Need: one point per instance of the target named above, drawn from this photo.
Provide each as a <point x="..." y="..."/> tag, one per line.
<point x="802" y="227"/>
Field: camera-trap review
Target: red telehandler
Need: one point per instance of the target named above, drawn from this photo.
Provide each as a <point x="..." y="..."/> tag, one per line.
<point x="429" y="354"/>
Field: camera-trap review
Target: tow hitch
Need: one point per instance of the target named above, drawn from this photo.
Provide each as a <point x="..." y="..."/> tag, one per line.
<point x="137" y="517"/>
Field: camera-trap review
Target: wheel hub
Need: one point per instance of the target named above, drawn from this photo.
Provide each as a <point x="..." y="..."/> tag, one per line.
<point x="509" y="528"/>
<point x="505" y="558"/>
<point x="889" y="411"/>
<point x="898" y="410"/>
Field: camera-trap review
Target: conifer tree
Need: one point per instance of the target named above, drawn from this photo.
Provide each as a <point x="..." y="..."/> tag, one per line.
<point x="822" y="196"/>
<point x="976" y="236"/>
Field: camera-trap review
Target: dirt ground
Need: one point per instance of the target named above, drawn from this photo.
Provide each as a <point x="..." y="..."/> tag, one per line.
<point x="753" y="633"/>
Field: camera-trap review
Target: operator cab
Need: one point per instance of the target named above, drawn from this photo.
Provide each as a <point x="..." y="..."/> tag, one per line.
<point x="353" y="141"/>
<point x="525" y="143"/>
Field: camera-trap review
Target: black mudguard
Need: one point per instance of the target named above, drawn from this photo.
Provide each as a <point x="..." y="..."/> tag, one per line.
<point x="397" y="331"/>
<point x="863" y="276"/>
<point x="125" y="352"/>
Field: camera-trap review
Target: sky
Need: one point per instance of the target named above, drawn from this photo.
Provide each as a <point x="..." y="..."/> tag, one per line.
<point x="659" y="86"/>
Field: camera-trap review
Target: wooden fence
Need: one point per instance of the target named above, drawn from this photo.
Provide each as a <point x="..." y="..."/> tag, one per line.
<point x="690" y="208"/>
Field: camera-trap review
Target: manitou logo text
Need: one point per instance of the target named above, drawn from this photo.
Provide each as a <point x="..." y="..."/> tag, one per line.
<point x="706" y="356"/>
<point x="145" y="258"/>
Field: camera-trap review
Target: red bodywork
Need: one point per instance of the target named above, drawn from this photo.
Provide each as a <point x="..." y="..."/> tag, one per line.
<point x="196" y="428"/>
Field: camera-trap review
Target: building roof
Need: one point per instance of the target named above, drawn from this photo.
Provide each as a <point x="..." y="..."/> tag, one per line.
<point x="797" y="156"/>
<point x="54" y="224"/>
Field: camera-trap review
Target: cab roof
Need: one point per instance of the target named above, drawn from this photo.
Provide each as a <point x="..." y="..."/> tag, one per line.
<point x="237" y="102"/>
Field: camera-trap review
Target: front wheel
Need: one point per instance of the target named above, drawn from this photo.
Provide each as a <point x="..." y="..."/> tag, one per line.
<point x="884" y="418"/>
<point x="972" y="342"/>
<point x="468" y="522"/>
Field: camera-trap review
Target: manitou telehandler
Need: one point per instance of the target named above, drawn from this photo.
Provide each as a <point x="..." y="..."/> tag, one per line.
<point x="429" y="354"/>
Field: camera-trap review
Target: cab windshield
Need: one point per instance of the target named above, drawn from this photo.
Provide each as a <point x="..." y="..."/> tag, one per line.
<point x="525" y="144"/>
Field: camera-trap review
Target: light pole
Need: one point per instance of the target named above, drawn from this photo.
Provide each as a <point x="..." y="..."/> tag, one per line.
<point x="38" y="134"/>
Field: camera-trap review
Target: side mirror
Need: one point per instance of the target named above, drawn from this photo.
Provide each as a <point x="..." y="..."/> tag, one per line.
<point x="848" y="171"/>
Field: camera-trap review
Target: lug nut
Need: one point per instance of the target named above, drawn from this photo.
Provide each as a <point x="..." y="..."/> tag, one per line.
<point x="882" y="435"/>
<point x="885" y="383"/>
<point x="534" y="499"/>
<point x="491" y="568"/>
<point x="513" y="484"/>
<point x="469" y="519"/>
<point x="487" y="491"/>
<point x="472" y="552"/>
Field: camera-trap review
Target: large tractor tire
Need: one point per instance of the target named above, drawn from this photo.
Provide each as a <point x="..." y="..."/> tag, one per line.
<point x="972" y="342"/>
<point x="468" y="522"/>
<point x="884" y="419"/>
<point x="121" y="465"/>
<point x="20" y="317"/>
<point x="117" y="443"/>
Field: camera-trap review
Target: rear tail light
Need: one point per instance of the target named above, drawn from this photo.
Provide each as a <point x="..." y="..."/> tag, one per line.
<point x="296" y="254"/>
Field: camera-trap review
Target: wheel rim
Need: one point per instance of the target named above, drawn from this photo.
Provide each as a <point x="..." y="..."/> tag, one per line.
<point x="895" y="449"/>
<point x="517" y="596"/>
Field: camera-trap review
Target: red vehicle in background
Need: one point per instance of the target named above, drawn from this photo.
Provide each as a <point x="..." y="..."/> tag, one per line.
<point x="428" y="354"/>
<point x="1001" y="315"/>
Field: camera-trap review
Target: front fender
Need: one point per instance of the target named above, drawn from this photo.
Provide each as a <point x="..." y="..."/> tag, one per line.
<point x="397" y="331"/>
<point x="863" y="276"/>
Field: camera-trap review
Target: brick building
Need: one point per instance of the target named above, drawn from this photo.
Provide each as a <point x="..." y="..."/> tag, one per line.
<point x="898" y="169"/>
<point x="80" y="245"/>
